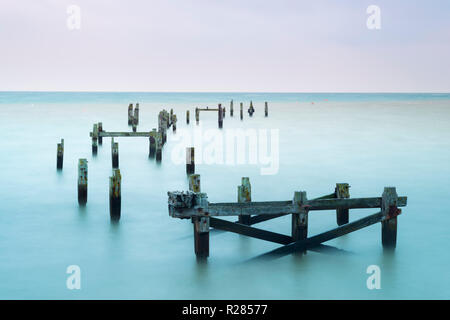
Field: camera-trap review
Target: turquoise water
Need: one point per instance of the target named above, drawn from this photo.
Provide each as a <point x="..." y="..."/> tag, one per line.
<point x="367" y="140"/>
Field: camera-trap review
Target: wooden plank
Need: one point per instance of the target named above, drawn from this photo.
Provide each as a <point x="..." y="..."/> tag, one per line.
<point x="249" y="208"/>
<point x="249" y="231"/>
<point x="352" y="203"/>
<point x="123" y="134"/>
<point x="323" y="237"/>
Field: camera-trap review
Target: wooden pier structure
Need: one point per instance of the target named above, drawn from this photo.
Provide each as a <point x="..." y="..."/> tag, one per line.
<point x="195" y="206"/>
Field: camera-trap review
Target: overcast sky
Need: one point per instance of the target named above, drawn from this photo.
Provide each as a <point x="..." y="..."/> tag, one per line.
<point x="227" y="45"/>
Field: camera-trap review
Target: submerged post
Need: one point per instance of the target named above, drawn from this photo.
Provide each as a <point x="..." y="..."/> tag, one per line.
<point x="114" y="153"/>
<point x="242" y="111"/>
<point x="60" y="155"/>
<point x="95" y="139"/>
<point x="152" y="143"/>
<point x="100" y="129"/>
<point x="174" y="123"/>
<point x="244" y="195"/>
<point x="159" y="144"/>
<point x="130" y="114"/>
<point x="390" y="212"/>
<point x="220" y="114"/>
<point x="187" y="116"/>
<point x="82" y="181"/>
<point x="136" y="114"/>
<point x="197" y="115"/>
<point x="299" y="218"/>
<point x="190" y="162"/>
<point x="266" y="109"/>
<point x="115" y="197"/>
<point x="342" y="192"/>
<point x="231" y="108"/>
<point x="201" y="235"/>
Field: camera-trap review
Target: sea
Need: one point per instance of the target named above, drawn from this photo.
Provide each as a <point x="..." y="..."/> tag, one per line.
<point x="309" y="142"/>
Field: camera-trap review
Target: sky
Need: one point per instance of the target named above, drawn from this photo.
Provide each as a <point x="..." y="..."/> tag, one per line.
<point x="226" y="45"/>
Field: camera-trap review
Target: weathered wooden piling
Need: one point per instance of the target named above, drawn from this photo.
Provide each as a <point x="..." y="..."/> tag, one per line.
<point x="171" y="116"/>
<point x="300" y="217"/>
<point x="95" y="139"/>
<point x="100" y="129"/>
<point x="134" y="127"/>
<point x="197" y="115"/>
<point x="152" y="143"/>
<point x="266" y="109"/>
<point x="194" y="183"/>
<point x="342" y="192"/>
<point x="115" y="197"/>
<point x="244" y="195"/>
<point x="224" y="112"/>
<point x="194" y="205"/>
<point x="159" y="144"/>
<point x="390" y="211"/>
<point x="231" y="108"/>
<point x="251" y="110"/>
<point x="82" y="181"/>
<point x="136" y="114"/>
<point x="114" y="153"/>
<point x="220" y="116"/>
<point x="190" y="160"/>
<point x="242" y="111"/>
<point x="130" y="114"/>
<point x="187" y="116"/>
<point x="60" y="155"/>
<point x="174" y="123"/>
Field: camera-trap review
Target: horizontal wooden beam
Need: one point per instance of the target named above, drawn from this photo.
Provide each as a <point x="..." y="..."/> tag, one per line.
<point x="203" y="109"/>
<point x="123" y="134"/>
<point x="350" y="203"/>
<point x="323" y="237"/>
<point x="250" y="208"/>
<point x="249" y="231"/>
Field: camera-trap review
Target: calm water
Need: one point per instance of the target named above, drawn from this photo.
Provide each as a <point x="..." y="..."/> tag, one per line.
<point x="367" y="140"/>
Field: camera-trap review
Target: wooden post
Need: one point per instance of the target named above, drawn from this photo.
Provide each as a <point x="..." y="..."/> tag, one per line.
<point x="171" y="117"/>
<point x="389" y="223"/>
<point x="159" y="147"/>
<point x="251" y="110"/>
<point x="244" y="195"/>
<point x="194" y="186"/>
<point x="115" y="197"/>
<point x="95" y="139"/>
<point x="190" y="160"/>
<point x="152" y="143"/>
<point x="242" y="111"/>
<point x="197" y="115"/>
<point x="130" y="114"/>
<point x="201" y="234"/>
<point x="114" y="153"/>
<point x="300" y="218"/>
<point x="82" y="181"/>
<point x="266" y="109"/>
<point x="224" y="112"/>
<point x="187" y="116"/>
<point x="136" y="114"/>
<point x="231" y="108"/>
<point x="220" y="114"/>
<point x="60" y="155"/>
<point x="134" y="126"/>
<point x="100" y="129"/>
<point x="342" y="192"/>
<point x="174" y="123"/>
<point x="194" y="182"/>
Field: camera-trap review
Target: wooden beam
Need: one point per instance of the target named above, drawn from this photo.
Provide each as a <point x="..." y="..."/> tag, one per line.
<point x="122" y="134"/>
<point x="249" y="231"/>
<point x="323" y="237"/>
<point x="352" y="203"/>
